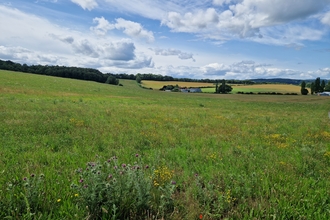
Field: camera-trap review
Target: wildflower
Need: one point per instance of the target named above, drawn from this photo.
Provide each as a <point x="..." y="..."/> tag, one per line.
<point x="109" y="160"/>
<point x="59" y="200"/>
<point x="196" y="174"/>
<point x="136" y="155"/>
<point x="25" y="178"/>
<point x="42" y="175"/>
<point x="200" y="216"/>
<point x="98" y="172"/>
<point x="110" y="176"/>
<point x="115" y="167"/>
<point x="173" y="182"/>
<point x="85" y="186"/>
<point x="137" y="167"/>
<point x="123" y="165"/>
<point x="81" y="181"/>
<point x="32" y="175"/>
<point x="147" y="166"/>
<point x="76" y="195"/>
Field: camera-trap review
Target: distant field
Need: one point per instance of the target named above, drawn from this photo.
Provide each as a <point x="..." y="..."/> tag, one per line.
<point x="204" y="156"/>
<point x="236" y="88"/>
<point x="160" y="84"/>
<point x="262" y="88"/>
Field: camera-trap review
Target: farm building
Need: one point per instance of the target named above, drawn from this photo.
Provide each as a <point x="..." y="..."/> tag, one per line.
<point x="324" y="94"/>
<point x="191" y="90"/>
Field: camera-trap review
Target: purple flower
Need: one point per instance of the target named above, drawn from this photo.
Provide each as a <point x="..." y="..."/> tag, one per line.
<point x="115" y="167"/>
<point x="138" y="167"/>
<point x="110" y="176"/>
<point x="173" y="182"/>
<point x="147" y="166"/>
<point x="81" y="181"/>
<point x="85" y="186"/>
<point x="109" y="160"/>
<point x="121" y="172"/>
<point x="98" y="172"/>
<point x="196" y="174"/>
<point x="32" y="175"/>
<point x="25" y="178"/>
<point x="136" y="155"/>
<point x="123" y="165"/>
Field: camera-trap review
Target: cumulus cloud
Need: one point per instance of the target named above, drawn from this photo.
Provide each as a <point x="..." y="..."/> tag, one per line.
<point x="86" y="4"/>
<point x="130" y="28"/>
<point x="102" y="27"/>
<point x="173" y="52"/>
<point x="191" y="22"/>
<point x="134" y="29"/>
<point x="123" y="50"/>
<point x="245" y="18"/>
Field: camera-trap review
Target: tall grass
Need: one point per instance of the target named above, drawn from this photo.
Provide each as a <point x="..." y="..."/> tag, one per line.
<point x="231" y="156"/>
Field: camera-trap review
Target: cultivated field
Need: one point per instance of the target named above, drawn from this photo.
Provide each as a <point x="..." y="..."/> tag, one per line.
<point x="159" y="84"/>
<point x="281" y="88"/>
<point x="179" y="155"/>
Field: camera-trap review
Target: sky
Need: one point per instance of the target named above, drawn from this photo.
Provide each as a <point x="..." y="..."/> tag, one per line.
<point x="209" y="39"/>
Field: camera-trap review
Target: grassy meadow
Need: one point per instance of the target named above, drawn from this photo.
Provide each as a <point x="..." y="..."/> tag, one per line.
<point x="204" y="156"/>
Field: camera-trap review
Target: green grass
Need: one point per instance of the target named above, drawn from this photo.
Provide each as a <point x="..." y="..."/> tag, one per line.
<point x="256" y="156"/>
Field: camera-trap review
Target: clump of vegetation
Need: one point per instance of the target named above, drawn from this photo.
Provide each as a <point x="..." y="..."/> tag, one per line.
<point x="223" y="88"/>
<point x="110" y="190"/>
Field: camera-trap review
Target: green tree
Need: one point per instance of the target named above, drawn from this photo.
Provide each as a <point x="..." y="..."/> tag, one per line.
<point x="112" y="80"/>
<point x="317" y="85"/>
<point x="138" y="78"/>
<point x="303" y="89"/>
<point x="327" y="87"/>
<point x="312" y="88"/>
<point x="216" y="86"/>
<point x="322" y="86"/>
<point x="224" y="88"/>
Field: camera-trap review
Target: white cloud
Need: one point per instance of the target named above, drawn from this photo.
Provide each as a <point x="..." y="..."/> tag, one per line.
<point x="86" y="4"/>
<point x="248" y="18"/>
<point x="130" y="28"/>
<point x="134" y="29"/>
<point x="173" y="52"/>
<point x="102" y="27"/>
<point x="326" y="19"/>
<point x="192" y="22"/>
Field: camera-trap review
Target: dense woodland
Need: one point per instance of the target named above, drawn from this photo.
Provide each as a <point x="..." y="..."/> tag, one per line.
<point x="97" y="76"/>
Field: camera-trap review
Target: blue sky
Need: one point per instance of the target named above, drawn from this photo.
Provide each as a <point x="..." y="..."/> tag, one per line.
<point x="216" y="39"/>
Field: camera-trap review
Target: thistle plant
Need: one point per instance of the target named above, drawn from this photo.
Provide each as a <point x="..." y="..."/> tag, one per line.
<point x="113" y="190"/>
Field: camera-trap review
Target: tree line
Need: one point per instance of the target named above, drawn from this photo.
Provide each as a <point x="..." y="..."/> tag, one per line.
<point x="89" y="74"/>
<point x="316" y="86"/>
